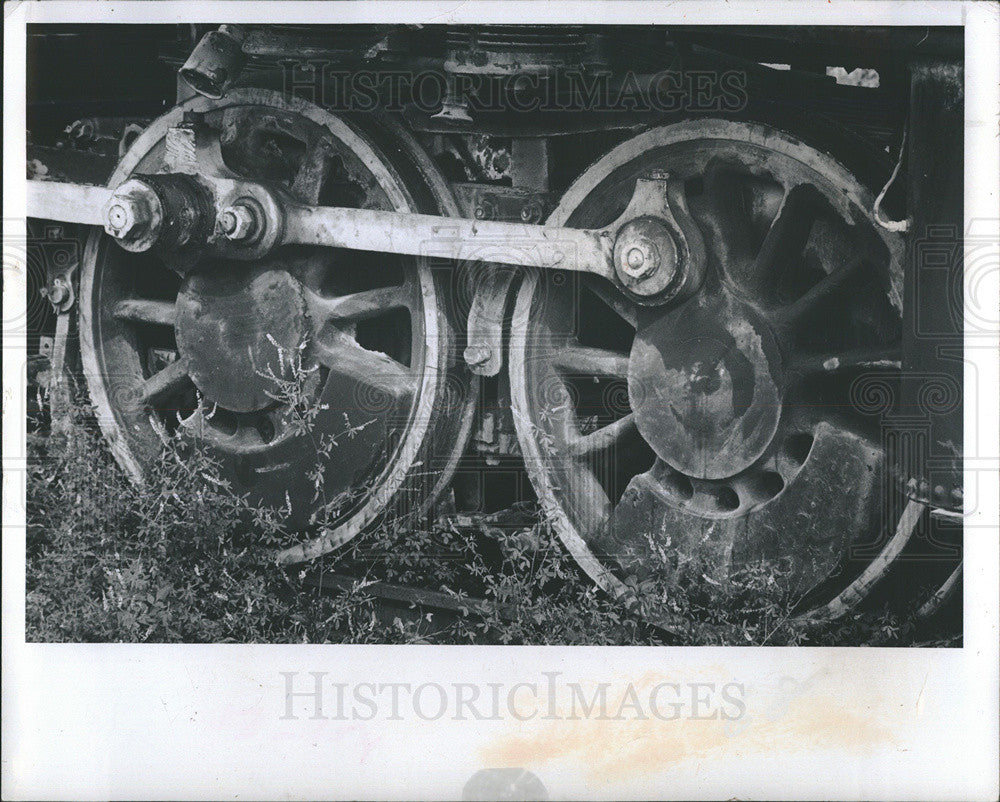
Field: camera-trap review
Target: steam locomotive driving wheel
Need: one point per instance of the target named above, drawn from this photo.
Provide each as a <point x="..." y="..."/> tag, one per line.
<point x="680" y="438"/>
<point x="308" y="362"/>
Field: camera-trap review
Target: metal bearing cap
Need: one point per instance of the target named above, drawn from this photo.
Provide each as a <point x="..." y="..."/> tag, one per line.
<point x="134" y="215"/>
<point x="646" y="256"/>
<point x="163" y="211"/>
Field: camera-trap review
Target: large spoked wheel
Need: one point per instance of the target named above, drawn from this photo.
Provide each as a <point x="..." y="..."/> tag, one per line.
<point x="311" y="361"/>
<point x="688" y="440"/>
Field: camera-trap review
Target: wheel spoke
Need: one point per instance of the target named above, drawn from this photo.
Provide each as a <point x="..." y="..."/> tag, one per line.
<point x="601" y="439"/>
<point x="819" y="293"/>
<point x="621" y="305"/>
<point x="196" y="422"/>
<point x="594" y="507"/>
<point x="729" y="226"/>
<point x="884" y="357"/>
<point x="141" y="310"/>
<point x="786" y="237"/>
<point x="172" y="379"/>
<point x="312" y="171"/>
<point x="356" y="306"/>
<point x="583" y="361"/>
<point x="345" y="357"/>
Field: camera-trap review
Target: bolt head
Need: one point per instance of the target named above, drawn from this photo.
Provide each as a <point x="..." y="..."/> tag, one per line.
<point x="124" y="216"/>
<point x="478" y="354"/>
<point x="58" y="292"/>
<point x="238" y="222"/>
<point x="118" y="216"/>
<point x="635" y="259"/>
<point x="646" y="256"/>
<point x="133" y="215"/>
<point x="531" y="212"/>
<point x="641" y="259"/>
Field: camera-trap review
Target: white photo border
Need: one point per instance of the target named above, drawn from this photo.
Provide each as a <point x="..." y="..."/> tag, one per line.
<point x="207" y="722"/>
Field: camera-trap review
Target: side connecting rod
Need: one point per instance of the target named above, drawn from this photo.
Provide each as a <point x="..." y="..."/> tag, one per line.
<point x="653" y="249"/>
<point x="246" y="212"/>
<point x="450" y="237"/>
<point x="68" y="203"/>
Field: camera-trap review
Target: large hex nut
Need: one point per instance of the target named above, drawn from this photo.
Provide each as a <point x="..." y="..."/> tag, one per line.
<point x="645" y="256"/>
<point x="238" y="222"/>
<point x="134" y="215"/>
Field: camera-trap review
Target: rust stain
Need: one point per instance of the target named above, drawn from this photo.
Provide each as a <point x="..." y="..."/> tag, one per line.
<point x="615" y="749"/>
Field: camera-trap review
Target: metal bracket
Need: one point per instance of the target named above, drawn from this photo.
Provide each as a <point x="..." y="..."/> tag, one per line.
<point x="61" y="255"/>
<point x="484" y="354"/>
<point x="659" y="253"/>
<point x="486" y="202"/>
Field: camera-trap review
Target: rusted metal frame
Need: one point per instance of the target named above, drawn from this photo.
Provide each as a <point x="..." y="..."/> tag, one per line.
<point x="529" y="164"/>
<point x="69" y="164"/>
<point x="484" y="354"/>
<point x="60" y="389"/>
<point x="540" y="124"/>
<point x="529" y="195"/>
<point x="319" y="42"/>
<point x="62" y="261"/>
<point x="932" y="305"/>
<point x="867" y="46"/>
<point x="489" y="202"/>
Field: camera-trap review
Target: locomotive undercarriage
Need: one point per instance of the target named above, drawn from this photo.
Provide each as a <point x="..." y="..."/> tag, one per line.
<point x="684" y="323"/>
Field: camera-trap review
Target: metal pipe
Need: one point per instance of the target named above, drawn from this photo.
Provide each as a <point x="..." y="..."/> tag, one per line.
<point x="216" y="62"/>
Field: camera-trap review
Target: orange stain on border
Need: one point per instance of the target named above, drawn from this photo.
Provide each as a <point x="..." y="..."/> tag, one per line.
<point x="612" y="749"/>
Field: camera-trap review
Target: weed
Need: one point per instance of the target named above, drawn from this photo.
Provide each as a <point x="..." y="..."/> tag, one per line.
<point x="185" y="558"/>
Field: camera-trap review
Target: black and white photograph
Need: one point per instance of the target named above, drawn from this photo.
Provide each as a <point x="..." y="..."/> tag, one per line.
<point x="393" y="327"/>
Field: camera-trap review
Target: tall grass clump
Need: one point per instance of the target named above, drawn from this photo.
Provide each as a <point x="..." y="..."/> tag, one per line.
<point x="185" y="558"/>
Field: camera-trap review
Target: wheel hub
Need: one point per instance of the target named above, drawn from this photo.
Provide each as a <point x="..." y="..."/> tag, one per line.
<point x="238" y="327"/>
<point x="704" y="383"/>
<point x="645" y="256"/>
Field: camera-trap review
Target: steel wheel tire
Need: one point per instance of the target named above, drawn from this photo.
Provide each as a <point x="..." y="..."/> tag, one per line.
<point x="407" y="445"/>
<point x="627" y="498"/>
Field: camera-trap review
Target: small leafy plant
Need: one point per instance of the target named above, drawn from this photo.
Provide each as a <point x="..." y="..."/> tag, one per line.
<point x="185" y="558"/>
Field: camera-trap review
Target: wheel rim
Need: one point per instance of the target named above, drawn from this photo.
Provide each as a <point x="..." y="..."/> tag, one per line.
<point x="688" y="441"/>
<point x="368" y="332"/>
